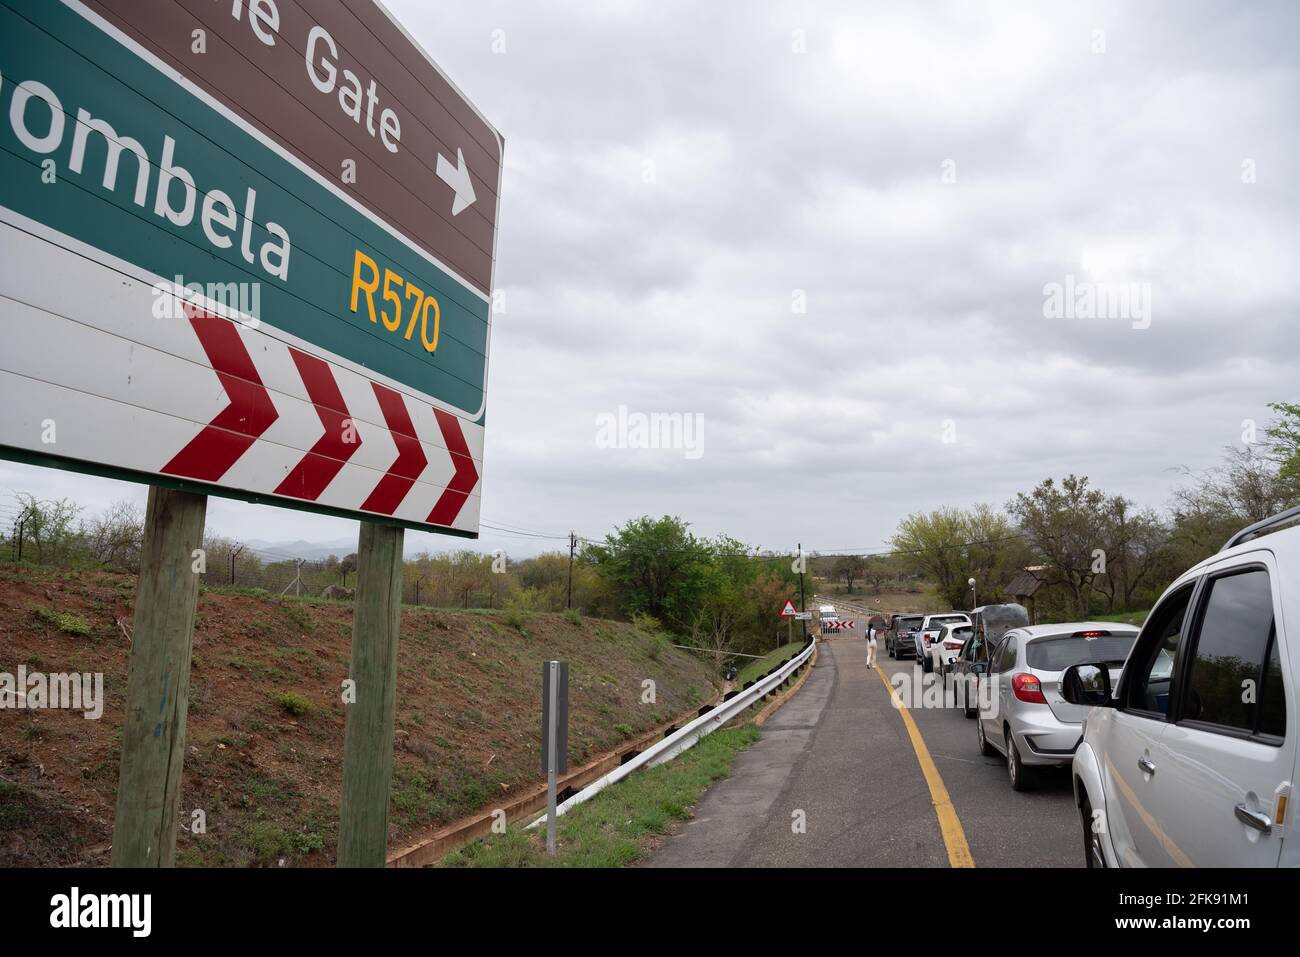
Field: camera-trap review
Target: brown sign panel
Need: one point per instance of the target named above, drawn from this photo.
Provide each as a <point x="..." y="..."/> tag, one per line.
<point x="347" y="91"/>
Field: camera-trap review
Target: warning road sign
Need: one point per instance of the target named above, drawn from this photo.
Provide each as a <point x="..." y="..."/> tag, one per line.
<point x="789" y="611"/>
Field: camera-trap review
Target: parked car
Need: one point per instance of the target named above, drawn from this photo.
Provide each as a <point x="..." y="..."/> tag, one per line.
<point x="991" y="622"/>
<point x="1189" y="759"/>
<point x="1024" y="716"/>
<point x="948" y="644"/>
<point x="971" y="662"/>
<point x="929" y="631"/>
<point x="900" y="640"/>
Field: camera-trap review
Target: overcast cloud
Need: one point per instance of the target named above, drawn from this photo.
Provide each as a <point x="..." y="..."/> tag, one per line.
<point x="776" y="171"/>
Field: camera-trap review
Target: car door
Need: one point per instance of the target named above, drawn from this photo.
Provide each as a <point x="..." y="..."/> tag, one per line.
<point x="978" y="654"/>
<point x="1227" y="756"/>
<point x="992" y="704"/>
<point x="1128" y="738"/>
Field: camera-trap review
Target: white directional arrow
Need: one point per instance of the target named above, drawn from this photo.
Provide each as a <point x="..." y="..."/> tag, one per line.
<point x="457" y="177"/>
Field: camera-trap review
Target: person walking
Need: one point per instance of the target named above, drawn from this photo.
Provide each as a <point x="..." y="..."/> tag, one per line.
<point x="871" y="643"/>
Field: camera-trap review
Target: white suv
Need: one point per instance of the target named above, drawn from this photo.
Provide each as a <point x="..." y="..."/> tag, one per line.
<point x="929" y="632"/>
<point x="1189" y="760"/>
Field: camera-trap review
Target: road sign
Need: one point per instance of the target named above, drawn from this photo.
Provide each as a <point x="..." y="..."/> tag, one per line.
<point x="249" y="247"/>
<point x="803" y="616"/>
<point x="789" y="610"/>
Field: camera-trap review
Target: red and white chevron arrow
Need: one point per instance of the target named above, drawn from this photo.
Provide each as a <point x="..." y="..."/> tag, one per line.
<point x="257" y="443"/>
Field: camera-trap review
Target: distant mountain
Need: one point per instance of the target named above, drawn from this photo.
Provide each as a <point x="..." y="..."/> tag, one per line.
<point x="414" y="544"/>
<point x="312" y="551"/>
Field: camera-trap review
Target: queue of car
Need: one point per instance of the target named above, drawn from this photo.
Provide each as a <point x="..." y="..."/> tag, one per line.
<point x="1180" y="736"/>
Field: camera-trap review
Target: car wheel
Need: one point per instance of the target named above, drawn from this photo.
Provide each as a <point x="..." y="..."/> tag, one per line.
<point x="986" y="749"/>
<point x="890" y="649"/>
<point x="1017" y="773"/>
<point x="1092" y="850"/>
<point x="925" y="665"/>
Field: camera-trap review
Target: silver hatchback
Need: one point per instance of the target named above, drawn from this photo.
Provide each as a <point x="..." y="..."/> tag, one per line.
<point x="1021" y="713"/>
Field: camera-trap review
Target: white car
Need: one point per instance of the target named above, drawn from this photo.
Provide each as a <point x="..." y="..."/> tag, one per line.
<point x="1189" y="760"/>
<point x="929" y="631"/>
<point x="948" y="642"/>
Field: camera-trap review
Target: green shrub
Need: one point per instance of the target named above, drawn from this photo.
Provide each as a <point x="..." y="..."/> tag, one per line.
<point x="65" y="621"/>
<point x="292" y="703"/>
<point x="647" y="623"/>
<point x="517" y="617"/>
<point x="573" y="616"/>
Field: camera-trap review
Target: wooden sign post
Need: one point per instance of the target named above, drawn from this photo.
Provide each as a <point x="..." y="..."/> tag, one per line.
<point x="368" y="740"/>
<point x="158" y="680"/>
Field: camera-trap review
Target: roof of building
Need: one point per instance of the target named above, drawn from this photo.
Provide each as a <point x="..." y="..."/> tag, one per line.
<point x="1023" y="585"/>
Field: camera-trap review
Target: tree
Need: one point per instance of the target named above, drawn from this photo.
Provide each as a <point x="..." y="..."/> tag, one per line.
<point x="952" y="545"/>
<point x="48" y="525"/>
<point x="1065" y="524"/>
<point x="658" y="567"/>
<point x="1136" y="545"/>
<point x="115" y="538"/>
<point x="849" y="568"/>
<point x="1284" y="443"/>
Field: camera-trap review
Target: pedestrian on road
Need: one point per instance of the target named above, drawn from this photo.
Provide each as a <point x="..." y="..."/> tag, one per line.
<point x="871" y="644"/>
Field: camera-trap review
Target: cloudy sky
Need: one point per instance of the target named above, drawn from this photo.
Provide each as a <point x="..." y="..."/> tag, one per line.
<point x="828" y="228"/>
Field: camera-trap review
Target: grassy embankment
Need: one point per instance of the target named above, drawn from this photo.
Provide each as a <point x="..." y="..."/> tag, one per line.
<point x="264" y="742"/>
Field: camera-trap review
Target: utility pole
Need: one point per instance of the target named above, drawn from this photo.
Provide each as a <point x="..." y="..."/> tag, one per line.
<point x="802" y="606"/>
<point x="573" y="545"/>
<point x="233" y="554"/>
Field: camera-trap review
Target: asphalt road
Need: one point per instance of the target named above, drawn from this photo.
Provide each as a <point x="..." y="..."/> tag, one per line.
<point x="839" y="758"/>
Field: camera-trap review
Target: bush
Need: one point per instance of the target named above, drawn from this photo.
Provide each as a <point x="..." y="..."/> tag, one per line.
<point x="517" y="616"/>
<point x="647" y="623"/>
<point x="292" y="703"/>
<point x="573" y="616"/>
<point x="66" y="622"/>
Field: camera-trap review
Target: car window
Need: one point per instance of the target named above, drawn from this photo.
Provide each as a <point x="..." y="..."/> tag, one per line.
<point x="1004" y="655"/>
<point x="1233" y="643"/>
<point x="1059" y="652"/>
<point x="1272" y="699"/>
<point x="961" y="632"/>
<point x="1152" y="662"/>
<point x="946" y="619"/>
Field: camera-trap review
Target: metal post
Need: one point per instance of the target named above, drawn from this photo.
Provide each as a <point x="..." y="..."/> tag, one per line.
<point x="552" y="719"/>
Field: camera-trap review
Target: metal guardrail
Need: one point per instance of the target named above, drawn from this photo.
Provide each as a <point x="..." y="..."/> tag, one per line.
<point x="685" y="738"/>
<point x="848" y="604"/>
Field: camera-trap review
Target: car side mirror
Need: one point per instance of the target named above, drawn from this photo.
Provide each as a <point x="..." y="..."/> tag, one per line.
<point x="1086" y="685"/>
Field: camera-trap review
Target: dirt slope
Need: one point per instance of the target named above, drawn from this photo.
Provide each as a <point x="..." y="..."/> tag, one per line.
<point x="265" y="732"/>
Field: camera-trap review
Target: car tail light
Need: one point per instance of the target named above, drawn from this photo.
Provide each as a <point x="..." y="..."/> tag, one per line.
<point x="953" y="645"/>
<point x="1090" y="634"/>
<point x="1027" y="688"/>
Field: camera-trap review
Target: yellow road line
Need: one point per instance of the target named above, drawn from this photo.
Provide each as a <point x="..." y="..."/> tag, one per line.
<point x="954" y="838"/>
